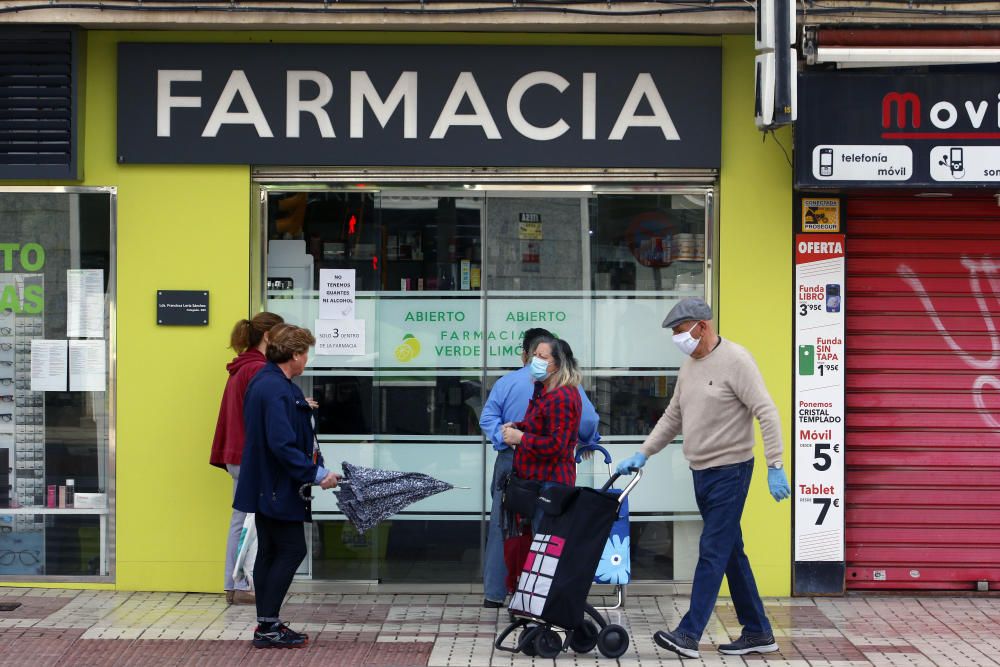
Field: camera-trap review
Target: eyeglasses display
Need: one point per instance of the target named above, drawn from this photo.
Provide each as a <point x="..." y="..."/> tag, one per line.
<point x="54" y="243"/>
<point x="21" y="419"/>
<point x="26" y="557"/>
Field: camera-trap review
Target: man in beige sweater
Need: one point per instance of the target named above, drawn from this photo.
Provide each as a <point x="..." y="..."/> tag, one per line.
<point x="719" y="392"/>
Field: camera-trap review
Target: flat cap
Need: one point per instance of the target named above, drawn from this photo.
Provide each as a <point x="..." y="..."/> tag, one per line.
<point x="691" y="308"/>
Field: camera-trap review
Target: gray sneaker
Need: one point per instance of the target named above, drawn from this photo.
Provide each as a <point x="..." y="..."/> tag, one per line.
<point x="748" y="643"/>
<point x="682" y="645"/>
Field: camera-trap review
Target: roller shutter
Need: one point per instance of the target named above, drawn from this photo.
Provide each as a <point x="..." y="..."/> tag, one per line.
<point x="38" y="89"/>
<point x="923" y="392"/>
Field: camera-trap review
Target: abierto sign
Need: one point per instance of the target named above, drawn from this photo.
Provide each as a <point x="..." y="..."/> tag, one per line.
<point x="394" y="105"/>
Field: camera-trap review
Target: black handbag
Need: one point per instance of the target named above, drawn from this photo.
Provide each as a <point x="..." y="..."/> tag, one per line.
<point x="521" y="495"/>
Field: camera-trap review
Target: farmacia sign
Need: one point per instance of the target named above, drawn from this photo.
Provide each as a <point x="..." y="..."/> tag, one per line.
<point x="419" y="105"/>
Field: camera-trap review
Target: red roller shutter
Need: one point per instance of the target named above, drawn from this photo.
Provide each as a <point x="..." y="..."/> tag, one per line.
<point x="923" y="392"/>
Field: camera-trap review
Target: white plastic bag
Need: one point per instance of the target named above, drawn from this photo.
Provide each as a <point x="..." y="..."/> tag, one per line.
<point x="246" y="554"/>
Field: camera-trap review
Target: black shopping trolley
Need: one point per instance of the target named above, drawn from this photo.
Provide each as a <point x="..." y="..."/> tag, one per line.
<point x="551" y="593"/>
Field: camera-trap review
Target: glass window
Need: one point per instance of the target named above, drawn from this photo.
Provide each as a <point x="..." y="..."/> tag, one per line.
<point x="57" y="281"/>
<point x="448" y="280"/>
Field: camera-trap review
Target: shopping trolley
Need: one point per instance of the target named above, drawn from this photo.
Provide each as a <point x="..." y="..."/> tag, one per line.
<point x="615" y="566"/>
<point x="551" y="593"/>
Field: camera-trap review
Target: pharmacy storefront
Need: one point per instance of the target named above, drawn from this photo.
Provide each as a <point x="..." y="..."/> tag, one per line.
<point x="419" y="207"/>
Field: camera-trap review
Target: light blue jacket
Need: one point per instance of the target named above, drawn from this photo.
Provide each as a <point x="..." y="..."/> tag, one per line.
<point x="508" y="401"/>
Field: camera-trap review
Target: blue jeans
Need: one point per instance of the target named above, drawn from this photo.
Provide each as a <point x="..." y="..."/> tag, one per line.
<point x="721" y="493"/>
<point x="494" y="568"/>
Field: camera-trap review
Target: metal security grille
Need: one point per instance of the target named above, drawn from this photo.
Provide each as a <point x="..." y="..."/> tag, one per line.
<point x="923" y="392"/>
<point x="37" y="91"/>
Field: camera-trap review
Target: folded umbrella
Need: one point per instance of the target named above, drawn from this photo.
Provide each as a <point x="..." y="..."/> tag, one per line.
<point x="366" y="496"/>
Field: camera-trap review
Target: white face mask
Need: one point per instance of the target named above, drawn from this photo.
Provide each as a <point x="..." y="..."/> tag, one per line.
<point x="685" y="342"/>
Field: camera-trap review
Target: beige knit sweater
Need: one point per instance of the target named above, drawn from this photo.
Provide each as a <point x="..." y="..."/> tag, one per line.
<point x="714" y="403"/>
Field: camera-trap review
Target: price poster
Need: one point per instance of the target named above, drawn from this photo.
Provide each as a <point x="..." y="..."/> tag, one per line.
<point x="819" y="397"/>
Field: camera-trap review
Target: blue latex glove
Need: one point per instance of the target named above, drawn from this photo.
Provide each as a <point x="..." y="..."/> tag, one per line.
<point x="777" y="484"/>
<point x="634" y="462"/>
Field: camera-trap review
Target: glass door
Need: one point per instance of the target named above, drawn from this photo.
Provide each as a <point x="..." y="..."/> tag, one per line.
<point x="411" y="402"/>
<point x="448" y="279"/>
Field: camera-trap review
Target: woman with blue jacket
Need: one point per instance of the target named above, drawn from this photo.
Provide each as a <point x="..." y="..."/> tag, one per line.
<point x="277" y="460"/>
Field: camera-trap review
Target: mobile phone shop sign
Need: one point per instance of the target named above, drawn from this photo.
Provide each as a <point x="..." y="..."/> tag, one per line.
<point x="902" y="129"/>
<point x="395" y="105"/>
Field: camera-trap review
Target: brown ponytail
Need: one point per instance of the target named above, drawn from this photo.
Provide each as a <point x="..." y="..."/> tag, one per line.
<point x="248" y="333"/>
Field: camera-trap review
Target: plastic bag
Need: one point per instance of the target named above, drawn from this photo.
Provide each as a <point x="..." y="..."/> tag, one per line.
<point x="246" y="553"/>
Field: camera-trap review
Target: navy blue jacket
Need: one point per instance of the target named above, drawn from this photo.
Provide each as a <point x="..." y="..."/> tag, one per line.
<point x="277" y="455"/>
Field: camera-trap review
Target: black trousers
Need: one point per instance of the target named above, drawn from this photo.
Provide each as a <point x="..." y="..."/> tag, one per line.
<point x="281" y="546"/>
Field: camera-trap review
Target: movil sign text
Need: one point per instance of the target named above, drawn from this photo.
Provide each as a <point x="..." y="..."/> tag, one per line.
<point x="905" y="110"/>
<point x="308" y="93"/>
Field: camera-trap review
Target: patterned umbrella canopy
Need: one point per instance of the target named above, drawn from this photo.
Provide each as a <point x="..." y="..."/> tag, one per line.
<point x="368" y="495"/>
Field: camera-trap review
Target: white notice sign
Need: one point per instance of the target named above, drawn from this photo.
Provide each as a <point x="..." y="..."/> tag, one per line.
<point x="862" y="163"/>
<point x="965" y="164"/>
<point x="336" y="294"/>
<point x="85" y="303"/>
<point x="818" y="491"/>
<point x="87" y="365"/>
<point x="341" y="337"/>
<point x="48" y="365"/>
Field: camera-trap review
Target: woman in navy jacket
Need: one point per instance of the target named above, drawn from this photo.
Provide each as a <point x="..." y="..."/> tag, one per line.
<point x="277" y="460"/>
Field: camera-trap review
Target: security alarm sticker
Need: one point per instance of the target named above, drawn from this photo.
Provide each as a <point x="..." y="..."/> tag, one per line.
<point x="820" y="215"/>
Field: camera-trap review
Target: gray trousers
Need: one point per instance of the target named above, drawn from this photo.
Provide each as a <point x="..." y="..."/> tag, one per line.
<point x="233" y="540"/>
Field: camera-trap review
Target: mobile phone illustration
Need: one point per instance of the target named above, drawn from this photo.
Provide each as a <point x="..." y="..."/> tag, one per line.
<point x="826" y="162"/>
<point x="807" y="359"/>
<point x="956" y="159"/>
<point x="833" y="298"/>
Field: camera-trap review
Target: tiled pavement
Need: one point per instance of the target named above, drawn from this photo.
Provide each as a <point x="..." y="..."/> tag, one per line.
<point x="83" y="628"/>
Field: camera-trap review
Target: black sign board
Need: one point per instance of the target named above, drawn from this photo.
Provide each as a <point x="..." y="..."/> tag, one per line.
<point x="900" y="129"/>
<point x="182" y="307"/>
<point x="405" y="105"/>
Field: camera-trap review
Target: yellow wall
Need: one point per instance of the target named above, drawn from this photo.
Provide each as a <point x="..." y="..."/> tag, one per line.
<point x="179" y="227"/>
<point x="187" y="227"/>
<point x="755" y="287"/>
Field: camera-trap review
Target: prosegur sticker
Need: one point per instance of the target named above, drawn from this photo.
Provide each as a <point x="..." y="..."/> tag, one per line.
<point x="821" y="215"/>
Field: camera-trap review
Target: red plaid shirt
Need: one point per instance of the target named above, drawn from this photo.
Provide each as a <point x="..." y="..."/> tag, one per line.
<point x="551" y="429"/>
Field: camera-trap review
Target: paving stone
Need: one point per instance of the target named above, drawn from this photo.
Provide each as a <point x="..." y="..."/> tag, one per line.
<point x="217" y="654"/>
<point x="390" y="654"/>
<point x="96" y="628"/>
<point x="33" y="606"/>
<point x="95" y="652"/>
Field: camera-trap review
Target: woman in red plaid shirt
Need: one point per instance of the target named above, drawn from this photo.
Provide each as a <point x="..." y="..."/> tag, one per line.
<point x="545" y="441"/>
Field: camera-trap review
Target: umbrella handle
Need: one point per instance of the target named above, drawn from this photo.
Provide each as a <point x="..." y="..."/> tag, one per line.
<point x="306" y="494"/>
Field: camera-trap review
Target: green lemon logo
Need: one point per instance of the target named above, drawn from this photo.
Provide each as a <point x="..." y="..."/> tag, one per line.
<point x="408" y="350"/>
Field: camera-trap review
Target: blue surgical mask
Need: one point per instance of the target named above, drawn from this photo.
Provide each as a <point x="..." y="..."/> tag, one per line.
<point x="539" y="368"/>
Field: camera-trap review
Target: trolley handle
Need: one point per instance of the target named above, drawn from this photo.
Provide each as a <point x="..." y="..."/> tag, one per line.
<point x="592" y="448"/>
<point x="636" y="476"/>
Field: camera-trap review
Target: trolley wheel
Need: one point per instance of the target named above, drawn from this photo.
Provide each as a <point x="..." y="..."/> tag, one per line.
<point x="612" y="641"/>
<point x="548" y="644"/>
<point x="526" y="640"/>
<point x="584" y="638"/>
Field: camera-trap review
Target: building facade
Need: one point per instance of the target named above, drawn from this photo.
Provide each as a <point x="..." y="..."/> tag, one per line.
<point x="482" y="218"/>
